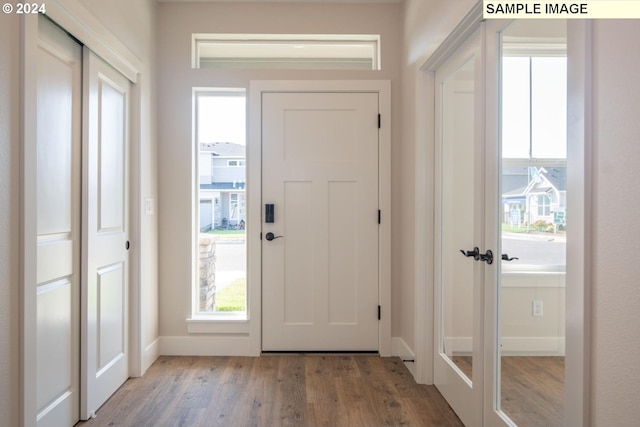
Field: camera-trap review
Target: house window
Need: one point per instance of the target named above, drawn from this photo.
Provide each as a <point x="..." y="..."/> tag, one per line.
<point x="235" y="163"/>
<point x="544" y="205"/>
<point x="287" y="51"/>
<point x="220" y="288"/>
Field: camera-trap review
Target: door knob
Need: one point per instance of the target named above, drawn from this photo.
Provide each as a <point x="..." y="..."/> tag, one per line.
<point x="487" y="257"/>
<point x="270" y="236"/>
<point x="475" y="253"/>
<point x="505" y="257"/>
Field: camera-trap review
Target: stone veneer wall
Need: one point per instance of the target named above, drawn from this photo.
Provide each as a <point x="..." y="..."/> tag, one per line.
<point x="207" y="273"/>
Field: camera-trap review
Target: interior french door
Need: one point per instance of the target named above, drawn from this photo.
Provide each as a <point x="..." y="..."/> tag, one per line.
<point x="472" y="199"/>
<point x="459" y="288"/>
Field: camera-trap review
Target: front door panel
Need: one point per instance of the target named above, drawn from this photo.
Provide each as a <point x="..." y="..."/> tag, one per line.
<point x="320" y="173"/>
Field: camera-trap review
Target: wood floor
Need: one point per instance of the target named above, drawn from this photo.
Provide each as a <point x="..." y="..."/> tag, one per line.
<point x="276" y="391"/>
<point x="532" y="392"/>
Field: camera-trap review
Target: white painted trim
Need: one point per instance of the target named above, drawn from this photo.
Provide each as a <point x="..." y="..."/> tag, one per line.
<point x="514" y="346"/>
<point x="254" y="173"/>
<point x="400" y="349"/>
<point x="580" y="153"/>
<point x="533" y="346"/>
<point x="84" y="26"/>
<point x="150" y="354"/>
<point x="28" y="215"/>
<point x="424" y="224"/>
<point x="209" y="326"/>
<point x="211" y="345"/>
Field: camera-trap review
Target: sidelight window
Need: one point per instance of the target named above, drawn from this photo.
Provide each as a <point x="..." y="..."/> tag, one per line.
<point x="220" y="288"/>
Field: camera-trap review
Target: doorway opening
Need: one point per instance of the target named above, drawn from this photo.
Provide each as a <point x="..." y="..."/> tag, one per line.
<point x="220" y="210"/>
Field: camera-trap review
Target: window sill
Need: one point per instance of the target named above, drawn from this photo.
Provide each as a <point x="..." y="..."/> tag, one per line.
<point x="228" y="323"/>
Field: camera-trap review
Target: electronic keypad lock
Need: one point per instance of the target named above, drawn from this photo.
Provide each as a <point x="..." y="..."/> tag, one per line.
<point x="269" y="213"/>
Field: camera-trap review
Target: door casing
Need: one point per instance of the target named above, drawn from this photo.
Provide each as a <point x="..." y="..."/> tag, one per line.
<point x="254" y="198"/>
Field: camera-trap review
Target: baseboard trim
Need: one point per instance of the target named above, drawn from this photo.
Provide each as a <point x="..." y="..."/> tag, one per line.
<point x="400" y="349"/>
<point x="205" y="346"/>
<point x="150" y="354"/>
<point x="515" y="346"/>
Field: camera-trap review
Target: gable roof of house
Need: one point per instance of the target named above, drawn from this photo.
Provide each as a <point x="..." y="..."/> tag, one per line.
<point x="516" y="181"/>
<point x="557" y="177"/>
<point x="223" y="149"/>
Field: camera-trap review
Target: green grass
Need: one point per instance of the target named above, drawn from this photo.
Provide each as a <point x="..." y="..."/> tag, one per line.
<point x="514" y="229"/>
<point x="232" y="297"/>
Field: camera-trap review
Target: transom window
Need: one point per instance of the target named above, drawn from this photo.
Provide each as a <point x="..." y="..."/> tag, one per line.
<point x="287" y="51"/>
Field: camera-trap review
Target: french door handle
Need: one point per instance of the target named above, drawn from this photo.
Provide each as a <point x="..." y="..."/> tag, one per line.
<point x="505" y="257"/>
<point x="487" y="257"/>
<point x="475" y="253"/>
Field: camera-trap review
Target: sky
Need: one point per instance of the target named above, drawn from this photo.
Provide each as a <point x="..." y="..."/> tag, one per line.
<point x="222" y="119"/>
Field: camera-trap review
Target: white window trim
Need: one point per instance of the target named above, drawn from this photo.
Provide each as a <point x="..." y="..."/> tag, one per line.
<point x="287" y="45"/>
<point x="204" y="322"/>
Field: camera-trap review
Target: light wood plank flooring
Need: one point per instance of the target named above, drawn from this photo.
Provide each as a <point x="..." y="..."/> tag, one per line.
<point x="282" y="390"/>
<point x="532" y="389"/>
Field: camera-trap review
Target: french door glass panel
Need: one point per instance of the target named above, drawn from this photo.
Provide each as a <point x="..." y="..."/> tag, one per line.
<point x="458" y="171"/>
<point x="532" y="223"/>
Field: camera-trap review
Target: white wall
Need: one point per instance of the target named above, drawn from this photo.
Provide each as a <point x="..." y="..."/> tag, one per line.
<point x="136" y="30"/>
<point x="616" y="245"/>
<point x="177" y="22"/>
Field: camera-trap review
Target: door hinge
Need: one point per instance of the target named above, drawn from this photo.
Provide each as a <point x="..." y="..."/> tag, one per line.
<point x="261" y="235"/>
<point x="379" y="313"/>
<point x="379" y="121"/>
<point x="379" y="216"/>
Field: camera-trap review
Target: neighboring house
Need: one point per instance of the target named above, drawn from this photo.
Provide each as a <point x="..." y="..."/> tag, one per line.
<point x="222" y="185"/>
<point x="531" y="194"/>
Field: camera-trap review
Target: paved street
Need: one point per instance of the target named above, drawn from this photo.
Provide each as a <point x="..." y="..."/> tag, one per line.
<point x="535" y="249"/>
<point x="231" y="262"/>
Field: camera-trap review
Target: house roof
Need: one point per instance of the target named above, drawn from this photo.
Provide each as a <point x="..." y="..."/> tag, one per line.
<point x="557" y="177"/>
<point x="514" y="178"/>
<point x="516" y="183"/>
<point x="223" y="149"/>
<point x="223" y="186"/>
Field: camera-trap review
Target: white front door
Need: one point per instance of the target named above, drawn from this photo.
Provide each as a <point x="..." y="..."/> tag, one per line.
<point x="320" y="174"/>
<point x="105" y="208"/>
<point x="59" y="128"/>
<point x="458" y="368"/>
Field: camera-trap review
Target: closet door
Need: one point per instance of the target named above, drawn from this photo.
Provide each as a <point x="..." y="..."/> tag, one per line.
<point x="58" y="141"/>
<point x="105" y="209"/>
